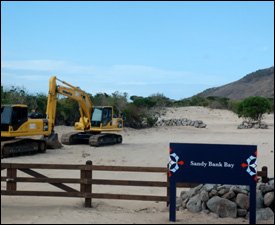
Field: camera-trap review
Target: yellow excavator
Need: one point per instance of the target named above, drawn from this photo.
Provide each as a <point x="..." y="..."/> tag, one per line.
<point x="18" y="131"/>
<point x="17" y="128"/>
<point x="94" y="121"/>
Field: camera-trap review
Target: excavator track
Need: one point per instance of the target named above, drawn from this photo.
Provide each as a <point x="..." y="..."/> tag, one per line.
<point x="105" y="139"/>
<point x="73" y="138"/>
<point x="22" y="146"/>
<point x="91" y="139"/>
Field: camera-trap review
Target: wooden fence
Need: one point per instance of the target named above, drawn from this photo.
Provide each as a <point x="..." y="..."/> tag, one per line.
<point x="86" y="181"/>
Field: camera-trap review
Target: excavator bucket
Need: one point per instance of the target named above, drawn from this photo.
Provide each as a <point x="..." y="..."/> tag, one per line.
<point x="53" y="142"/>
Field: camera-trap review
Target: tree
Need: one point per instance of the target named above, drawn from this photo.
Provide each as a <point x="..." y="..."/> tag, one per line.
<point x="253" y="108"/>
<point x="118" y="101"/>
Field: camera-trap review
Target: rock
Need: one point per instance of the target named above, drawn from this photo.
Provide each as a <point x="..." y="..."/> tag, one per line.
<point x="195" y="190"/>
<point x="184" y="195"/>
<point x="264" y="214"/>
<point x="223" y="191"/>
<point x="209" y="187"/>
<point x="178" y="203"/>
<point x="206" y="211"/>
<point x="241" y="126"/>
<point x="229" y="195"/>
<point x="260" y="186"/>
<point x="266" y="188"/>
<point x="204" y="207"/>
<point x="184" y="203"/>
<point x="268" y="198"/>
<point x="259" y="200"/>
<point x="245" y="188"/>
<point x="241" y="212"/>
<point x="180" y="122"/>
<point x="204" y="196"/>
<point x="263" y="126"/>
<point x="212" y="193"/>
<point x="222" y="207"/>
<point x="238" y="190"/>
<point x="203" y="125"/>
<point x="227" y="187"/>
<point x="228" y="200"/>
<point x="242" y="201"/>
<point x="256" y="125"/>
<point x="194" y="204"/>
<point x="196" y="124"/>
<point x="271" y="183"/>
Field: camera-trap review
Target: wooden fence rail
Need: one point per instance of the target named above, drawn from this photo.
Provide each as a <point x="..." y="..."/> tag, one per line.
<point x="86" y="181"/>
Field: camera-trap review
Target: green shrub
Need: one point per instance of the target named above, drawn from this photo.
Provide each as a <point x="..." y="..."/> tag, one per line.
<point x="233" y="105"/>
<point x="253" y="108"/>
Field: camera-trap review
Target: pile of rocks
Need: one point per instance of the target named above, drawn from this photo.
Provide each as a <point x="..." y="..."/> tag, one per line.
<point x="180" y="122"/>
<point x="249" y="124"/>
<point x="228" y="200"/>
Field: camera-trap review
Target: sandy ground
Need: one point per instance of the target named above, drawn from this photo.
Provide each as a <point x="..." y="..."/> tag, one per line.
<point x="147" y="147"/>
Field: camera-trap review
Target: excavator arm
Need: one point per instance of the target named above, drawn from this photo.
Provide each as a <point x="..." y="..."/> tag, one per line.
<point x="72" y="92"/>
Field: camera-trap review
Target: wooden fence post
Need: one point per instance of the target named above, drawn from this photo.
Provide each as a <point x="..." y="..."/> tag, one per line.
<point x="86" y="188"/>
<point x="168" y="187"/>
<point x="265" y="178"/>
<point x="11" y="183"/>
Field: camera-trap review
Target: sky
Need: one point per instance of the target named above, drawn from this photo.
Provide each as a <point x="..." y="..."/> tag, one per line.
<point x="173" y="48"/>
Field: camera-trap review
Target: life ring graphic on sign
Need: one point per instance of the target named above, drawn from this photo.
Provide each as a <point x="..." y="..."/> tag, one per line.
<point x="174" y="163"/>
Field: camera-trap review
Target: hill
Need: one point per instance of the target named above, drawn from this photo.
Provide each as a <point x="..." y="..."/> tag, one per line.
<point x="258" y="83"/>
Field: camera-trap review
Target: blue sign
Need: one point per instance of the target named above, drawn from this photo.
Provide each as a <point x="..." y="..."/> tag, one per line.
<point x="213" y="164"/>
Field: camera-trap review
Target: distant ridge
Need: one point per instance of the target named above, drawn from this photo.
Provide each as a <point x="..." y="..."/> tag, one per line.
<point x="258" y="83"/>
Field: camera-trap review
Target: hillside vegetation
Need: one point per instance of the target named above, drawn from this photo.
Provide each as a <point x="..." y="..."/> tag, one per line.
<point x="138" y="112"/>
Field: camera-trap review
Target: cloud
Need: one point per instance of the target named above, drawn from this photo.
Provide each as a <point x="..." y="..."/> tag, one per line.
<point x="135" y="79"/>
<point x="44" y="65"/>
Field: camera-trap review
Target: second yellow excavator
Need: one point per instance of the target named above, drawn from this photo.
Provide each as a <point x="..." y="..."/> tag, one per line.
<point x="94" y="121"/>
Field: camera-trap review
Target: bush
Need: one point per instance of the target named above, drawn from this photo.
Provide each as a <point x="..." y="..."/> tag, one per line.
<point x="216" y="102"/>
<point x="253" y="108"/>
<point x="233" y="105"/>
<point x="133" y="116"/>
<point x="67" y="112"/>
<point x="155" y="100"/>
<point x="271" y="101"/>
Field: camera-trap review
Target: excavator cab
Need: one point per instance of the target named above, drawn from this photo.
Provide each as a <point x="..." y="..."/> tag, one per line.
<point x="13" y="116"/>
<point x="101" y="116"/>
